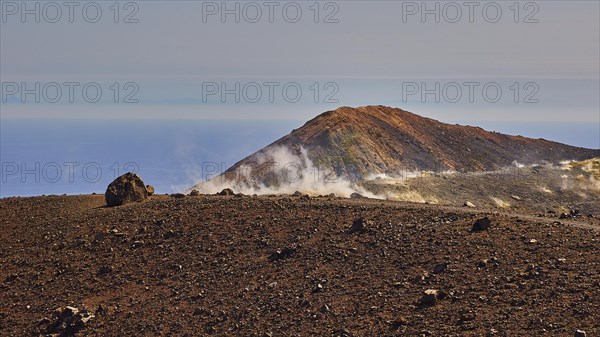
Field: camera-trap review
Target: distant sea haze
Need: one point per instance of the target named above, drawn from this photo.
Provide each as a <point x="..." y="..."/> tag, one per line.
<point x="83" y="156"/>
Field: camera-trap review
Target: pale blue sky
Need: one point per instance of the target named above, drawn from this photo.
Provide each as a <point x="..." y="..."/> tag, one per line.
<point x="368" y="54"/>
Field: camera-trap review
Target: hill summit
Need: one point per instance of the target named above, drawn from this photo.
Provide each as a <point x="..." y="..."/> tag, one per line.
<point x="356" y="143"/>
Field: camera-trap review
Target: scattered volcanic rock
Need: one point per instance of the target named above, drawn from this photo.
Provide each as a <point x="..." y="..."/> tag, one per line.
<point x="177" y="195"/>
<point x="212" y="254"/>
<point x="125" y="189"/>
<point x="481" y="224"/>
<point x="356" y="196"/>
<point x="194" y="193"/>
<point x="580" y="333"/>
<point x="469" y="204"/>
<point x="150" y="190"/>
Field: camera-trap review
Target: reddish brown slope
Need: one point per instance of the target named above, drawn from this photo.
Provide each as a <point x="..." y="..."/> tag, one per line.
<point x="355" y="142"/>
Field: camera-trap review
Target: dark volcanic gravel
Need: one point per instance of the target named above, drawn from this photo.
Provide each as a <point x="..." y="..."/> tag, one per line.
<point x="291" y="266"/>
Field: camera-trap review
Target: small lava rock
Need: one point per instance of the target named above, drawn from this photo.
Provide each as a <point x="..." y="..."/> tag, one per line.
<point x="431" y="296"/>
<point x="226" y="191"/>
<point x="481" y="224"/>
<point x="360" y="226"/>
<point x="105" y="270"/>
<point x="282" y="254"/>
<point x="440" y="268"/>
<point x="150" y="190"/>
<point x="396" y="324"/>
<point x="68" y="321"/>
<point x="325" y="308"/>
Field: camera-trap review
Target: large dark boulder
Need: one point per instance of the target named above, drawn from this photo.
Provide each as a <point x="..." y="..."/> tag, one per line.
<point x="125" y="189"/>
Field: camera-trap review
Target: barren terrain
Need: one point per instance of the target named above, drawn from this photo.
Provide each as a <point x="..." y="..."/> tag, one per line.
<point x="292" y="266"/>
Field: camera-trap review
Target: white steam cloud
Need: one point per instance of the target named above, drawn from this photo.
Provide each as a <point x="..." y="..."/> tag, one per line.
<point x="293" y="172"/>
